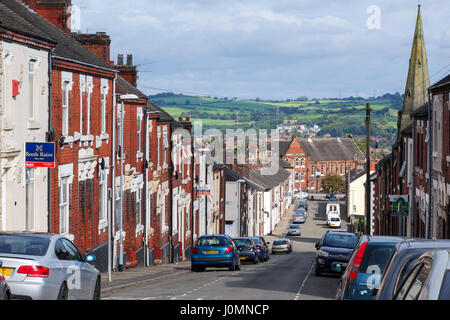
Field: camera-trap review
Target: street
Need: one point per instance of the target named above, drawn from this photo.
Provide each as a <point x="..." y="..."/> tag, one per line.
<point x="283" y="277"/>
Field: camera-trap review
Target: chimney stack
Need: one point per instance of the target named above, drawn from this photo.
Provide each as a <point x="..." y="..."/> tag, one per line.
<point x="56" y="11"/>
<point x="98" y="43"/>
<point x="127" y="71"/>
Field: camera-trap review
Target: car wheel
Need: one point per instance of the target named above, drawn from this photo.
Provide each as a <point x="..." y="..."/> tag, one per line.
<point x="232" y="267"/>
<point x="317" y="271"/>
<point x="97" y="291"/>
<point x="63" y="292"/>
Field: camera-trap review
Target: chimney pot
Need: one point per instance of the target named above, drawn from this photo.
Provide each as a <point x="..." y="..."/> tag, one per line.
<point x="120" y="59"/>
<point x="130" y="60"/>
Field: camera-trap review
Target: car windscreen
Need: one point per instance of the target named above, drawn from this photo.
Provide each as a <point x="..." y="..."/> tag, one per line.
<point x="335" y="219"/>
<point x="445" y="288"/>
<point x="257" y="241"/>
<point x="279" y="242"/>
<point x="23" y="245"/>
<point x="376" y="257"/>
<point x="340" y="240"/>
<point x="242" y="242"/>
<point x="213" y="241"/>
<point x="294" y="226"/>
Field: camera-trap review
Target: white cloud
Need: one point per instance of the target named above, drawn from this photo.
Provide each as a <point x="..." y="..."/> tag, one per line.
<point x="269" y="49"/>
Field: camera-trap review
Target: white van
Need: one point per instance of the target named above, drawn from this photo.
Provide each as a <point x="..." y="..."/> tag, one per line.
<point x="334" y="209"/>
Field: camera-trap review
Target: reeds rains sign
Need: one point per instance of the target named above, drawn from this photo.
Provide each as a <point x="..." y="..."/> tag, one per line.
<point x="39" y="154"/>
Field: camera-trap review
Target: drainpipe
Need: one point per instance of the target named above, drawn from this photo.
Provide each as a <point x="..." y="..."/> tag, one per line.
<point x="50" y="137"/>
<point x="430" y="168"/>
<point x="113" y="180"/>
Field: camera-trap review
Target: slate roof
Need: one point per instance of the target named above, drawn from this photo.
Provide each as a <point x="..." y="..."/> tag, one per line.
<point x="18" y="16"/>
<point x="284" y="147"/>
<point x="330" y="149"/>
<point x="421" y="112"/>
<point x="12" y="21"/>
<point x="268" y="181"/>
<point x="441" y="83"/>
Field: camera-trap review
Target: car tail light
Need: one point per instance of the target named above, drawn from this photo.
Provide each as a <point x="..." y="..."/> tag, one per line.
<point x="354" y="268"/>
<point x="259" y="247"/>
<point x="194" y="250"/>
<point x="34" y="271"/>
<point x="229" y="249"/>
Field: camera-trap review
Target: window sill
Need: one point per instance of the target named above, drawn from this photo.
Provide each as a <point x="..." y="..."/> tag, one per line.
<point x="102" y="225"/>
<point x="8" y="127"/>
<point x="104" y="136"/>
<point x="33" y="125"/>
<point x="139" y="229"/>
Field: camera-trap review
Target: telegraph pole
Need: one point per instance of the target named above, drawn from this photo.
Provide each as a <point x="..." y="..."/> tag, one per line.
<point x="368" y="222"/>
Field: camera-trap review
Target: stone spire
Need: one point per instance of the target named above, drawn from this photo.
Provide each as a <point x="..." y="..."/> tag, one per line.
<point x="418" y="78"/>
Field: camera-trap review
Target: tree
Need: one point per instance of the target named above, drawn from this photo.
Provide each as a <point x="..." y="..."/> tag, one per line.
<point x="333" y="183"/>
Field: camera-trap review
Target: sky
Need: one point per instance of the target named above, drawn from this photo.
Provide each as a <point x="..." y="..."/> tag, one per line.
<point x="271" y="49"/>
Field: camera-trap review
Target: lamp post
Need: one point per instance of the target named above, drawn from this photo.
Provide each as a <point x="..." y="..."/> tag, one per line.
<point x="122" y="98"/>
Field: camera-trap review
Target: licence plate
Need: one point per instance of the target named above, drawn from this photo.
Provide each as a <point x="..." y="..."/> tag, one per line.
<point x="6" y="271"/>
<point x="242" y="258"/>
<point x="212" y="252"/>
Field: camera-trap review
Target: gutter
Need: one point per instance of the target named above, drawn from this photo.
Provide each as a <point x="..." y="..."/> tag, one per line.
<point x="85" y="64"/>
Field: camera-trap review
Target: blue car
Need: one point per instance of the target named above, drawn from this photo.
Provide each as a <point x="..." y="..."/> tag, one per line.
<point x="215" y="251"/>
<point x="366" y="267"/>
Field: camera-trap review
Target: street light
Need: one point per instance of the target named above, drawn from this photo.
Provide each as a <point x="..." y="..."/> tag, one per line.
<point x="122" y="98"/>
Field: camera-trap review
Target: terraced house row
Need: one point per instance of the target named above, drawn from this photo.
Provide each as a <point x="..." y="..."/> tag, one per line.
<point x="419" y="165"/>
<point x="125" y="181"/>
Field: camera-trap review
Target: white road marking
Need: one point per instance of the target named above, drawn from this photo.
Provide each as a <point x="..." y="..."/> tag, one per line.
<point x="297" y="297"/>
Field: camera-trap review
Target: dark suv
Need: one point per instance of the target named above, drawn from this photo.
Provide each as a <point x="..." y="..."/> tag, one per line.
<point x="334" y="251"/>
<point x="405" y="255"/>
<point x="366" y="267"/>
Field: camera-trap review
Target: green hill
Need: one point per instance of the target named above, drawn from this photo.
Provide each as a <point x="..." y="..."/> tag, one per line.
<point x="338" y="117"/>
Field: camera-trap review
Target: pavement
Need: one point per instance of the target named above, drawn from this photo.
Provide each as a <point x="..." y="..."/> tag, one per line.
<point x="143" y="275"/>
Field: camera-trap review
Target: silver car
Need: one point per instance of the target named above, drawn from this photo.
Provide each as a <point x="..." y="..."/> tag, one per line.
<point x="43" y="266"/>
<point x="294" y="230"/>
<point x="281" y="245"/>
<point x="428" y="278"/>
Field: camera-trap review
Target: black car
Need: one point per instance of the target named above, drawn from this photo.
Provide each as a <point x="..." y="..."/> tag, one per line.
<point x="334" y="252"/>
<point x="405" y="255"/>
<point x="263" y="249"/>
<point x="247" y="249"/>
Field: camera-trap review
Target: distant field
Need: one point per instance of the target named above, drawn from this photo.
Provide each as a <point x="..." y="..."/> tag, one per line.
<point x="334" y="116"/>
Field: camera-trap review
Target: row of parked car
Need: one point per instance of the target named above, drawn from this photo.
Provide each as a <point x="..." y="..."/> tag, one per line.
<point x="385" y="267"/>
<point x="223" y="251"/>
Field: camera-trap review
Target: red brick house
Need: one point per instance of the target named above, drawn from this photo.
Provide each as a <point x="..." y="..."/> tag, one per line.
<point x="313" y="159"/>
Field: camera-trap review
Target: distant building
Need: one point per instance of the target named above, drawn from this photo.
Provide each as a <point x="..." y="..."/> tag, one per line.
<point x="313" y="159"/>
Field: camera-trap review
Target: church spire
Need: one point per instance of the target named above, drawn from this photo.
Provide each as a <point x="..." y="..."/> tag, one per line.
<point x="418" y="78"/>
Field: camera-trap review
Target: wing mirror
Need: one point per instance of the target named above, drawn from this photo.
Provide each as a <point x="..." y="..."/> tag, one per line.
<point x="1" y="263"/>
<point x="317" y="245"/>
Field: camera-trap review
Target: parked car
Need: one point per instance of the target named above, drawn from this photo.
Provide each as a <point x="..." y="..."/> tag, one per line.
<point x="428" y="278"/>
<point x="263" y="249"/>
<point x="405" y="255"/>
<point x="266" y="246"/>
<point x="215" y="251"/>
<point x="281" y="245"/>
<point x="5" y="292"/>
<point x="302" y="195"/>
<point x="299" y="218"/>
<point x="294" y="230"/>
<point x="329" y="195"/>
<point x="303" y="204"/>
<point x="247" y="249"/>
<point x="334" y="251"/>
<point x="366" y="267"/>
<point x="43" y="266"/>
